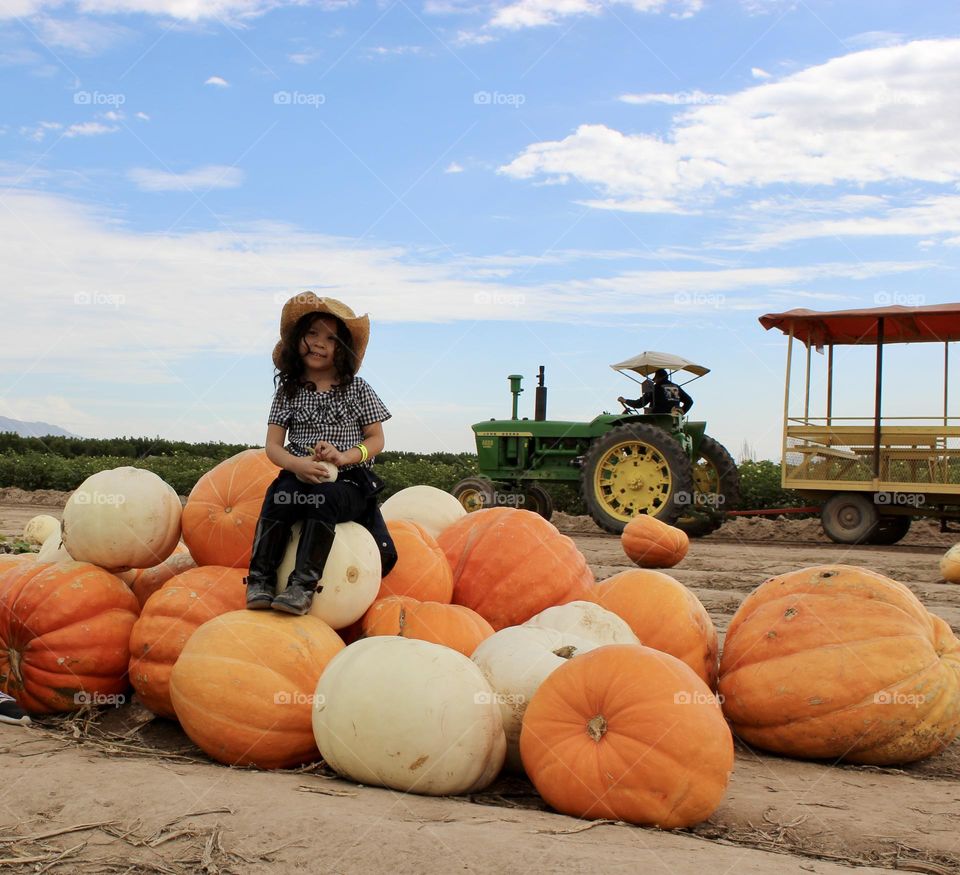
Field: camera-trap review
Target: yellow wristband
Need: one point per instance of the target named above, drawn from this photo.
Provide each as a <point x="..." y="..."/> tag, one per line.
<point x="364" y="454"/>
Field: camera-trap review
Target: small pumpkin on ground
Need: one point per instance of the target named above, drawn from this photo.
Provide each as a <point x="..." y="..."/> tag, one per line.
<point x="950" y="565"/>
<point x="628" y="733"/>
<point x="839" y="662"/>
<point x="664" y="615"/>
<point x="650" y="543"/>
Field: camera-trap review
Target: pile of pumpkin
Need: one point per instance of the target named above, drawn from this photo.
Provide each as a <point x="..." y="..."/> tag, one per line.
<point x="489" y="645"/>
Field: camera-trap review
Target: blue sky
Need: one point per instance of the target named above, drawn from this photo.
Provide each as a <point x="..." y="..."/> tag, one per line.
<point x="500" y="185"/>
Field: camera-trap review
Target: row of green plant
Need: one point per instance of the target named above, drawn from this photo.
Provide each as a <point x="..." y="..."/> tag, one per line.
<point x="31" y="469"/>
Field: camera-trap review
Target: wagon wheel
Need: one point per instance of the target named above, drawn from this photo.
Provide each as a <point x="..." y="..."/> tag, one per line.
<point x="716" y="487"/>
<point x="849" y="518"/>
<point x="474" y="493"/>
<point x="633" y="469"/>
<point x="537" y="499"/>
<point x="890" y="529"/>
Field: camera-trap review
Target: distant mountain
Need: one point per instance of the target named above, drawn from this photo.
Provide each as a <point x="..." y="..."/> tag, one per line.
<point x="33" y="429"/>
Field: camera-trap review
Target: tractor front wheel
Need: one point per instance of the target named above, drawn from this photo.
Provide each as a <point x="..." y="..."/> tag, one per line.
<point x="537" y="499"/>
<point x="475" y="493"/>
<point x="633" y="469"/>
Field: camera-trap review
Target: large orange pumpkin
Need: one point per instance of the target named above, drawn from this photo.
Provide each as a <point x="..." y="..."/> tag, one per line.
<point x="628" y="733"/>
<point x="453" y="626"/>
<point x="509" y="564"/>
<point x="422" y="571"/>
<point x="837" y="661"/>
<point x="64" y="634"/>
<point x="664" y="615"/>
<point x="167" y="621"/>
<point x="220" y="517"/>
<point x="650" y="543"/>
<point x="243" y="687"/>
<point x="146" y="581"/>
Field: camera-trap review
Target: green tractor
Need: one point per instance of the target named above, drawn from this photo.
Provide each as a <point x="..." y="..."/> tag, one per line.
<point x="626" y="463"/>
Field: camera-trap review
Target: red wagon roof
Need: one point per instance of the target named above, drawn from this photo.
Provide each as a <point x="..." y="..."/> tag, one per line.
<point x="936" y="323"/>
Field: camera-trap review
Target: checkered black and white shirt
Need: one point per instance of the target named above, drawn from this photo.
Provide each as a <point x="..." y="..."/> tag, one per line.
<point x="330" y="416"/>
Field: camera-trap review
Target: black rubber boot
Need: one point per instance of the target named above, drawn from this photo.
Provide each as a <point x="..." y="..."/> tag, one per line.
<point x="316" y="541"/>
<point x="269" y="544"/>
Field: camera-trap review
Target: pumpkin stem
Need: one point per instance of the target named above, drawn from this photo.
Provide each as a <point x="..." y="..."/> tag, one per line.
<point x="597" y="727"/>
<point x="402" y="620"/>
<point x="565" y="652"/>
<point x="15" y="657"/>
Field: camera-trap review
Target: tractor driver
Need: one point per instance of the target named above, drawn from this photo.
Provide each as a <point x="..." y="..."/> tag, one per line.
<point x="666" y="396"/>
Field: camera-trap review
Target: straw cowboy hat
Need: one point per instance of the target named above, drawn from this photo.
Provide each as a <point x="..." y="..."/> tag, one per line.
<point x="308" y="302"/>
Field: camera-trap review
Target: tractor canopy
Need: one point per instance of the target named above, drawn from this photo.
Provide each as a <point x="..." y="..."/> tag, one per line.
<point x="650" y="362"/>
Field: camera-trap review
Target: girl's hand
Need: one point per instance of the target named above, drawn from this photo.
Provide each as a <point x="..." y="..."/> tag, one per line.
<point x="309" y="470"/>
<point x="324" y="451"/>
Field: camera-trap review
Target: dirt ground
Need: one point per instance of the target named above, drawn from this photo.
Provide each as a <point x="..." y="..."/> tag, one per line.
<point x="127" y="793"/>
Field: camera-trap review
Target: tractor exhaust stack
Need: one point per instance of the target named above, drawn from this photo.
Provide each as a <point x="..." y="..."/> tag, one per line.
<point x="515" y="390"/>
<point x="540" y="402"/>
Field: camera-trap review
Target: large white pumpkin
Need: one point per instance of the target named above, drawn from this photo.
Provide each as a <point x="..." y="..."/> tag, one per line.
<point x="41" y="527"/>
<point x="515" y="661"/>
<point x="408" y="714"/>
<point x="950" y="565"/>
<point x="52" y="550"/>
<point x="123" y="518"/>
<point x="351" y="576"/>
<point x="429" y="507"/>
<point x="588" y="620"/>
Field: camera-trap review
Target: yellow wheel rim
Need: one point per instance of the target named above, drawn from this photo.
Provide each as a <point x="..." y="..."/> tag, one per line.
<point x="471" y="499"/>
<point x="706" y="477"/>
<point x="633" y="477"/>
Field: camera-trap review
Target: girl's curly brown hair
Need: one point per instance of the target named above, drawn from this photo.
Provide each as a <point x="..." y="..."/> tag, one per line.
<point x="290" y="374"/>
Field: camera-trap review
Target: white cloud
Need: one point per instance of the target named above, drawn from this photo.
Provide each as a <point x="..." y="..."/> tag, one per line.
<point x="143" y="117"/>
<point x="89" y="129"/>
<point x="384" y="51"/>
<point x="303" y="57"/>
<point x="677" y="98"/>
<point x="218" y="81"/>
<point x="759" y="73"/>
<point x="185" y="10"/>
<point x="453" y="167"/>
<point x="81" y="36"/>
<point x="873" y="39"/>
<point x="198" y="180"/>
<point x="870" y="117"/>
<point x="113" y="115"/>
<point x="536" y="13"/>
<point x="37" y="133"/>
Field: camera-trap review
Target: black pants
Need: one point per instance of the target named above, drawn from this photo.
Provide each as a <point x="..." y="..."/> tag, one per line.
<point x="350" y="498"/>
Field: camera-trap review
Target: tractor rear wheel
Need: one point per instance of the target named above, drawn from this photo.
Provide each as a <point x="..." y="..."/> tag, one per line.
<point x="474" y="493"/>
<point x="890" y="529"/>
<point x="633" y="469"/>
<point x="537" y="499"/>
<point x="849" y="518"/>
<point x="716" y="487"/>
